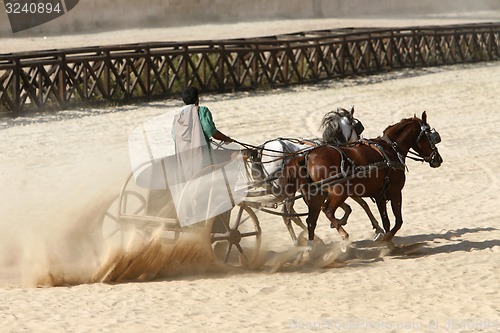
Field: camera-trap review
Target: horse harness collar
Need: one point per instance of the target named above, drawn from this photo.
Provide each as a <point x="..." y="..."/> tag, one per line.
<point x="388" y="162"/>
<point x="391" y="164"/>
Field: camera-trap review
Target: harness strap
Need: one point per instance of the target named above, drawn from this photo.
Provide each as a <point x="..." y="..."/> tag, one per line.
<point x="390" y="164"/>
<point x="418" y="159"/>
<point x="394" y="146"/>
<point x="395" y="165"/>
<point x="344" y="157"/>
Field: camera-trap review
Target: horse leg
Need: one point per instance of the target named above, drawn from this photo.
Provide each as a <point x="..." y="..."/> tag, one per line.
<point x="347" y="211"/>
<point x="373" y="220"/>
<point x="382" y="208"/>
<point x="314" y="204"/>
<point x="396" y="210"/>
<point x="334" y="202"/>
<point x="345" y="207"/>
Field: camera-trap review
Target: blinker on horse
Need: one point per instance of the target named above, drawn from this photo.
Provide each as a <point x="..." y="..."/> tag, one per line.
<point x="370" y="168"/>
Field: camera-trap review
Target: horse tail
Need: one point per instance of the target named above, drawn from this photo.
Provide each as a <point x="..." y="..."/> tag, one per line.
<point x="294" y="174"/>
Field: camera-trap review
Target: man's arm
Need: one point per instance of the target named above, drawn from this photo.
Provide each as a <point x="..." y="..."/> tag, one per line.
<point x="208" y="125"/>
<point x="221" y="136"/>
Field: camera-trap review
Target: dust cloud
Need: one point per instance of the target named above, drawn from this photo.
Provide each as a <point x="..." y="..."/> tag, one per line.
<point x="67" y="246"/>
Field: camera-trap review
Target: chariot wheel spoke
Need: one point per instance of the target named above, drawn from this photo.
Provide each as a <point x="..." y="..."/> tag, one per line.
<point x="242" y="221"/>
<point x="228" y="252"/>
<point x="249" y="234"/>
<point x="225" y="221"/>
<point x="219" y="237"/>
<point x="238" y="246"/>
<point x="238" y="219"/>
<point x="112" y="217"/>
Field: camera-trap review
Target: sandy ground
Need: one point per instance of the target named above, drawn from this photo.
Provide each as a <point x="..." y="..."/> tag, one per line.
<point x="59" y="171"/>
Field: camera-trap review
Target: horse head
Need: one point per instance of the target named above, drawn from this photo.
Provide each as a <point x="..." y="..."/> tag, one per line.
<point x="340" y="126"/>
<point x="426" y="142"/>
<point x="417" y="134"/>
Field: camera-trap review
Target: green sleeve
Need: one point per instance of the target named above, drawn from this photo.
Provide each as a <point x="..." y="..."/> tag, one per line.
<point x="207" y="123"/>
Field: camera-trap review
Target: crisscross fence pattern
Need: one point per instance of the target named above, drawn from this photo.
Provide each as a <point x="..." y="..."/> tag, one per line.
<point x="58" y="79"/>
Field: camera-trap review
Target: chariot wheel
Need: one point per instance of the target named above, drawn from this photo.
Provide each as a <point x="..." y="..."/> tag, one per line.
<point x="236" y="236"/>
<point x="116" y="229"/>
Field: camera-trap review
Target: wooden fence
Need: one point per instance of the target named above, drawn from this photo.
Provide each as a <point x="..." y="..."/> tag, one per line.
<point x="58" y="79"/>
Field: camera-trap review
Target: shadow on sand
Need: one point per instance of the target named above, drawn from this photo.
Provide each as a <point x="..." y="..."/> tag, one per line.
<point x="364" y="252"/>
<point x="420" y="245"/>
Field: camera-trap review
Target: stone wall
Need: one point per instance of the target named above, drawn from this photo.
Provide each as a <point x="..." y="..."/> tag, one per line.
<point x="99" y="15"/>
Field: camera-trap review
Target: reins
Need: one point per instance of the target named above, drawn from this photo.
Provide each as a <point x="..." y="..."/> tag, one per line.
<point x="283" y="154"/>
<point x="418" y="159"/>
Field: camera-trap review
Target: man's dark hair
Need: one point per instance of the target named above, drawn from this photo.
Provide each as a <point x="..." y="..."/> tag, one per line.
<point x="190" y="95"/>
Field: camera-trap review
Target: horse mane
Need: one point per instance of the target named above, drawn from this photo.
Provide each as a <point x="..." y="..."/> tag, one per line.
<point x="330" y="124"/>
<point x="401" y="124"/>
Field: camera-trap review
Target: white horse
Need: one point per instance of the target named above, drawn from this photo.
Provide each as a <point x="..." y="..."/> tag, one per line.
<point x="339" y="128"/>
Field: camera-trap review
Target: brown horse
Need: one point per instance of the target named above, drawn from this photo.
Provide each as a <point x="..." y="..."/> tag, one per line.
<point x="374" y="168"/>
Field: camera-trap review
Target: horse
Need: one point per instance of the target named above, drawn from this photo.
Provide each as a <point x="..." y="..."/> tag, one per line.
<point x="327" y="175"/>
<point x="339" y="128"/>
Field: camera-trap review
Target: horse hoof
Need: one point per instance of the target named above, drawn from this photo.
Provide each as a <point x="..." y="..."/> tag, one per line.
<point x="343" y="247"/>
<point x="378" y="236"/>
<point x="339" y="223"/>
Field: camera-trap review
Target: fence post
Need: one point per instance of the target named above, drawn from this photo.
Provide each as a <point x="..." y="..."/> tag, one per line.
<point x="285" y="61"/>
<point x="472" y="46"/>
<point x="107" y="78"/>
<point x="16" y="93"/>
<point x="128" y="85"/>
<point x="341" y="60"/>
<point x="147" y="68"/>
<point x="186" y="65"/>
<point x="255" y="66"/>
<point x="390" y="51"/>
<point x="220" y="74"/>
<point x="62" y="80"/>
<point x="367" y="56"/>
<point x="317" y="61"/>
<point x="413" y="48"/>
<point x="490" y="43"/>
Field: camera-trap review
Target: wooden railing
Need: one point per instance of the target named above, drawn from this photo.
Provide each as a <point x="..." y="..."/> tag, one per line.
<point x="58" y="79"/>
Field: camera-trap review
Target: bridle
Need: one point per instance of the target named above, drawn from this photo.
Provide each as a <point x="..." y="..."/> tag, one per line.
<point x="433" y="137"/>
<point x="355" y="127"/>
